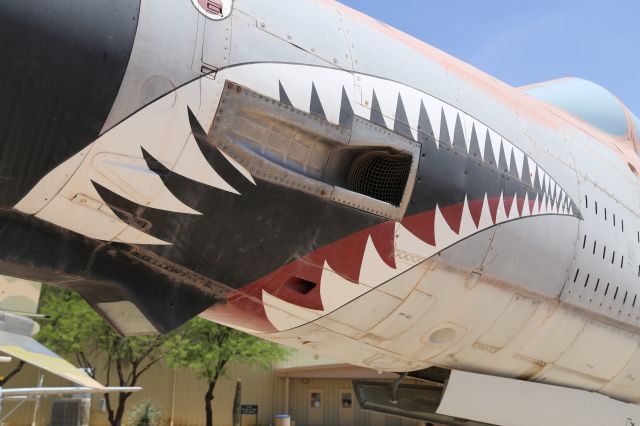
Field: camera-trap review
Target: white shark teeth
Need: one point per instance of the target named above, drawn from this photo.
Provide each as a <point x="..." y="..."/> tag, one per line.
<point x="374" y="270"/>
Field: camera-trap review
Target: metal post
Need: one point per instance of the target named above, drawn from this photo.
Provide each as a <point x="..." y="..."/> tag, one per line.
<point x="37" y="404"/>
<point x="173" y="398"/>
<point x="286" y="395"/>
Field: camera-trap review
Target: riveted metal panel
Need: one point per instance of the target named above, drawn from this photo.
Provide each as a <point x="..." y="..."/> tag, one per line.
<point x="534" y="254"/>
<point x="321" y="36"/>
<point x="161" y="59"/>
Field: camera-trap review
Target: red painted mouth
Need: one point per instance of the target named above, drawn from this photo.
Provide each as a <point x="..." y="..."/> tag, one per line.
<point x="245" y="307"/>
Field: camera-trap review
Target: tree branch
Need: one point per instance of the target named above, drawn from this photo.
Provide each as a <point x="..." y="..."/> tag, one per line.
<point x="149" y="365"/>
<point x="110" y="413"/>
<point x="85" y="363"/>
<point x="120" y="372"/>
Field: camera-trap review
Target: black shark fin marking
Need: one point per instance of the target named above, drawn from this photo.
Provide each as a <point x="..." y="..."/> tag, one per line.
<point x="489" y="155"/>
<point x="284" y="98"/>
<point x="532" y="193"/>
<point x="126" y="210"/>
<point x="513" y="167"/>
<point x="526" y="172"/>
<point x="401" y="125"/>
<point x="502" y="162"/>
<point x="346" y="111"/>
<point x="376" y="112"/>
<point x="444" y="130"/>
<point x="227" y="171"/>
<point x="425" y="130"/>
<point x="474" y="146"/>
<point x="186" y="190"/>
<point x="315" y="107"/>
<point x="459" y="142"/>
<point x="536" y="181"/>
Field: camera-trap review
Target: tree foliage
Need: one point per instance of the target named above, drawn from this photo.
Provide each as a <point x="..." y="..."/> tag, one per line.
<point x="75" y="330"/>
<point x="207" y="348"/>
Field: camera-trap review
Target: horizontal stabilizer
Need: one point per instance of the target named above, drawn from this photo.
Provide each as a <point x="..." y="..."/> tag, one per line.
<point x="28" y="350"/>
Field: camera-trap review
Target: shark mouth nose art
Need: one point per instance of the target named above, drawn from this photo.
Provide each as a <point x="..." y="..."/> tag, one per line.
<point x="341" y="187"/>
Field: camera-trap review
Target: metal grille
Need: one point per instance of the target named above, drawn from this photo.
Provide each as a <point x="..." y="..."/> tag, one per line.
<point x="66" y="412"/>
<point x="380" y="175"/>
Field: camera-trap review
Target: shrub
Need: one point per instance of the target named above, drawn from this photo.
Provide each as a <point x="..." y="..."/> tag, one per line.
<point x="145" y="413"/>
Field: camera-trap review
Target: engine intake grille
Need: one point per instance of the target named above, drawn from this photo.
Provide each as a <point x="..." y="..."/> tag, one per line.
<point x="381" y="175"/>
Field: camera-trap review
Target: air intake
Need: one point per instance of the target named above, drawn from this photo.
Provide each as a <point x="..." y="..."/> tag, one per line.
<point x="366" y="166"/>
<point x="381" y="175"/>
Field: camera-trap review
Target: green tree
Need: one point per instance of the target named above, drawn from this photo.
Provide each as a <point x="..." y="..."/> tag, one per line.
<point x="75" y="330"/>
<point x="207" y="348"/>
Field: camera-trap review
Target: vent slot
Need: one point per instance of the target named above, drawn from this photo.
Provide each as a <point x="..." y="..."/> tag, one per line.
<point x="380" y="175"/>
<point x="300" y="285"/>
<point x="214" y="6"/>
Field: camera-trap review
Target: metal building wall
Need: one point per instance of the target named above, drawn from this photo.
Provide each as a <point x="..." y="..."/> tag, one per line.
<point x="158" y="386"/>
<point x="260" y="387"/>
<point x="299" y="404"/>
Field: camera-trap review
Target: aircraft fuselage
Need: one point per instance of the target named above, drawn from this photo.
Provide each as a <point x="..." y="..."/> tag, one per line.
<point x="317" y="179"/>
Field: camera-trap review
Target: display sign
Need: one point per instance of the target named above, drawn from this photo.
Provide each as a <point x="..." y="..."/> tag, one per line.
<point x="248" y="415"/>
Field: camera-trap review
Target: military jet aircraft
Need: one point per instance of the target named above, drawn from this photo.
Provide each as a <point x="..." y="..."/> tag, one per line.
<point x="314" y="177"/>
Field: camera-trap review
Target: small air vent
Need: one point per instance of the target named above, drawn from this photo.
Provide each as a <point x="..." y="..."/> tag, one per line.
<point x="300" y="285"/>
<point x="215" y="7"/>
<point x="381" y="175"/>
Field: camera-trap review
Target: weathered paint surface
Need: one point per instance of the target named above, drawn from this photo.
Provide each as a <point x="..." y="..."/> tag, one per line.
<point x="512" y="250"/>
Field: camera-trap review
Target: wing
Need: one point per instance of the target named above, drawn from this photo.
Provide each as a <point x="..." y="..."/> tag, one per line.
<point x="28" y="350"/>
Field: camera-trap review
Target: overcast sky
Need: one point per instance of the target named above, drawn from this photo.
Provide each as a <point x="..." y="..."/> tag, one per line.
<point x="528" y="42"/>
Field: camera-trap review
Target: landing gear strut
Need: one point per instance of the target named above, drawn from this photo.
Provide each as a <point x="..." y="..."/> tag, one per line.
<point x="393" y="388"/>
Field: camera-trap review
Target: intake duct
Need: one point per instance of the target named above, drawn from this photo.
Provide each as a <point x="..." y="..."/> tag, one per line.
<point x="381" y="175"/>
<point x="367" y="166"/>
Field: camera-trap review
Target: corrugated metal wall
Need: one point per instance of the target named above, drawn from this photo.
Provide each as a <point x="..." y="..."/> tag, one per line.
<point x="299" y="404"/>
<point x="260" y="387"/>
<point x="158" y="386"/>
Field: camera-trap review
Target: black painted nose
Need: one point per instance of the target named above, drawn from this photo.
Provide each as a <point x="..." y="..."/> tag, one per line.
<point x="61" y="65"/>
